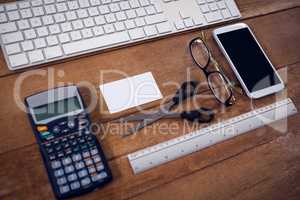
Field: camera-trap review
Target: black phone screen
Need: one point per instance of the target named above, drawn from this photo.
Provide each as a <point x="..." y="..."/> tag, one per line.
<point x="248" y="59"/>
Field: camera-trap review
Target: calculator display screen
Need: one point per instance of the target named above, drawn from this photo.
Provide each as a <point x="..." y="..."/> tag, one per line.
<point x="56" y="108"/>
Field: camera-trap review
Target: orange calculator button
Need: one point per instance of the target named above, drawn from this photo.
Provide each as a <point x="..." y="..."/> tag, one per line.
<point x="42" y="128"/>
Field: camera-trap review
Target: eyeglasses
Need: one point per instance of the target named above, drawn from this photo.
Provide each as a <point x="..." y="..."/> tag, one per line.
<point x="217" y="81"/>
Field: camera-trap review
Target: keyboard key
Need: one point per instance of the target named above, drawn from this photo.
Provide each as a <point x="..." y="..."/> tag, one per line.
<point x="30" y="34"/>
<point x="14" y="15"/>
<point x="8" y="27"/>
<point x="164" y="27"/>
<point x="27" y="45"/>
<point x="12" y="37"/>
<point x="98" y="31"/>
<point x="26" y="13"/>
<point x="36" y="56"/>
<point x="188" y="22"/>
<point x="18" y="60"/>
<point x="3" y="18"/>
<point x="225" y="14"/>
<point x="136" y="33"/>
<point x="154" y="19"/>
<point x="53" y="52"/>
<point x="40" y="43"/>
<point x="52" y="40"/>
<point x="150" y="30"/>
<point x="96" y="42"/>
<point x="75" y="35"/>
<point x="87" y="33"/>
<point x="13" y="49"/>
<point x="11" y="6"/>
<point x="213" y="16"/>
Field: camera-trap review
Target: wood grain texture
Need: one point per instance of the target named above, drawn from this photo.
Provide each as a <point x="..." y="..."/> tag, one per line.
<point x="262" y="164"/>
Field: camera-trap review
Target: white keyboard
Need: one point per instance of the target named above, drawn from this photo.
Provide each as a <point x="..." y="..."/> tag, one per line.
<point x="40" y="31"/>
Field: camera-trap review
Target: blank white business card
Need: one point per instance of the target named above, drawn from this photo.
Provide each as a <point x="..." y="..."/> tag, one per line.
<point x="130" y="92"/>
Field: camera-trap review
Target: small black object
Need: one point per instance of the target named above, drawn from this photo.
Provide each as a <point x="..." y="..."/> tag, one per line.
<point x="187" y="90"/>
<point x="72" y="155"/>
<point x="202" y="115"/>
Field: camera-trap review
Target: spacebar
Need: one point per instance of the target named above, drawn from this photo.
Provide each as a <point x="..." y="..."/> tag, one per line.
<point x="96" y="42"/>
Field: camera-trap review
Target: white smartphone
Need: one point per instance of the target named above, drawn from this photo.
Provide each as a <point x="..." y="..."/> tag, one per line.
<point x="249" y="62"/>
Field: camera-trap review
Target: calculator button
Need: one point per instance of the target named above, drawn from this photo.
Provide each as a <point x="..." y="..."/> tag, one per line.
<point x="71" y="124"/>
<point x="89" y="138"/>
<point x="48" y="144"/>
<point x="56" y="142"/>
<point x="86" y="154"/>
<point x="55" y="164"/>
<point x="81" y="140"/>
<point x="88" y="161"/>
<point x="58" y="172"/>
<point x="64" y="139"/>
<point x="52" y="157"/>
<point x="94" y="152"/>
<point x="68" y="151"/>
<point x="79" y="135"/>
<point x="85" y="181"/>
<point x="92" y="169"/>
<point x="69" y="169"/>
<point x="58" y="148"/>
<point x="79" y="165"/>
<point x="75" y="185"/>
<point x="56" y="129"/>
<point x="61" y="181"/>
<point x="76" y="157"/>
<point x="66" y="145"/>
<point x="74" y="143"/>
<point x="64" y="189"/>
<point x="67" y="161"/>
<point x="82" y="173"/>
<point x="76" y="149"/>
<point x="60" y="154"/>
<point x="50" y="150"/>
<point x="97" y="177"/>
<point x="72" y="177"/>
<point x="99" y="166"/>
<point x="96" y="158"/>
<point x="42" y="128"/>
<point x="71" y="137"/>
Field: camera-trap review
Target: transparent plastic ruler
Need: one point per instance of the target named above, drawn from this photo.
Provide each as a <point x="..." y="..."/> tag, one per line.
<point x="175" y="148"/>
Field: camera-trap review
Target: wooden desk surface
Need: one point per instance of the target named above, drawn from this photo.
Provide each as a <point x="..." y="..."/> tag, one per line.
<point x="263" y="164"/>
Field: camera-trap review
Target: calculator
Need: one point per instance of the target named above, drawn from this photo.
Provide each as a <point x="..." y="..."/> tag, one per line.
<point x="71" y="153"/>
